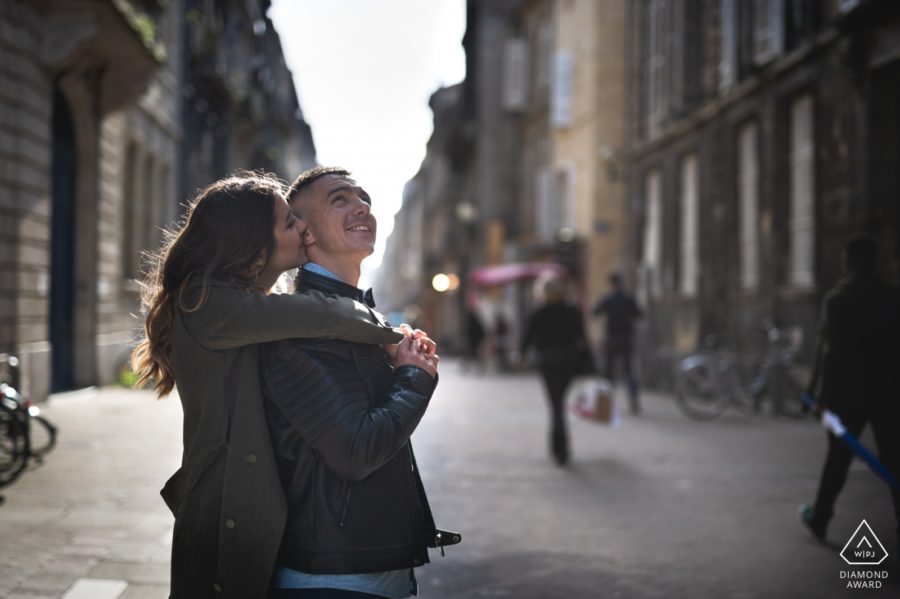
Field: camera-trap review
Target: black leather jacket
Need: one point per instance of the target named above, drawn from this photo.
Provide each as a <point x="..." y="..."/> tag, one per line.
<point x="340" y="419"/>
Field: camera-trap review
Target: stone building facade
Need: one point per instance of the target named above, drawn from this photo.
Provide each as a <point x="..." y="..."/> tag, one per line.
<point x="586" y="111"/>
<point x="239" y="103"/>
<point x="761" y="135"/>
<point x="73" y="84"/>
<point x="434" y="230"/>
<point x="93" y="143"/>
<point x="527" y="156"/>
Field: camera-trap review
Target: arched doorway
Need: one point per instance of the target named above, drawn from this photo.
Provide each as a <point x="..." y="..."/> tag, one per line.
<point x="62" y="243"/>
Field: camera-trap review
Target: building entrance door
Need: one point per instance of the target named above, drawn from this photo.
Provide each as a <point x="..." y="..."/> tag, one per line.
<point x="62" y="243"/>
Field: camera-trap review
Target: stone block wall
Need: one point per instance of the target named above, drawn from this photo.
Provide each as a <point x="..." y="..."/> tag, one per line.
<point x="25" y="159"/>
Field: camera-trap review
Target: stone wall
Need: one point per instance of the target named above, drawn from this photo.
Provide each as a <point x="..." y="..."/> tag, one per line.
<point x="25" y="155"/>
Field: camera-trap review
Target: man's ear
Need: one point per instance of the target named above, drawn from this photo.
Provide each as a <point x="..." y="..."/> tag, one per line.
<point x="308" y="237"/>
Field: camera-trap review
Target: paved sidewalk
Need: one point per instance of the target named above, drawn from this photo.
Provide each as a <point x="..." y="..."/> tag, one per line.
<point x="89" y="522"/>
<point x="659" y="507"/>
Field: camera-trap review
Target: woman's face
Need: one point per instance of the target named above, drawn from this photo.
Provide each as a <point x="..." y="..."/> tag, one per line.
<point x="289" y="250"/>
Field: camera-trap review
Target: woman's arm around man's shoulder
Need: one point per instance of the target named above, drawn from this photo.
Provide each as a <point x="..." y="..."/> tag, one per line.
<point x="233" y="317"/>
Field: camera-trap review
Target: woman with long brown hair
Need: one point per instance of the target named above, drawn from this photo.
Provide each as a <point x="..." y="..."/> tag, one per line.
<point x="208" y="304"/>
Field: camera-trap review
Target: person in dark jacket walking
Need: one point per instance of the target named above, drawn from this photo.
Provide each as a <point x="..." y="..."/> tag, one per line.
<point x="475" y="335"/>
<point x="621" y="311"/>
<point x="556" y="331"/>
<point x="856" y="374"/>
<point x="341" y="415"/>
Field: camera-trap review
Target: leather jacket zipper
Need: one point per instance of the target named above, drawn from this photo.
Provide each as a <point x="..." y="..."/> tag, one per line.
<point x="346" y="505"/>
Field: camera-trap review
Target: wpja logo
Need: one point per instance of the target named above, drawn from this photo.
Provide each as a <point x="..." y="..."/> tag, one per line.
<point x="864" y="549"/>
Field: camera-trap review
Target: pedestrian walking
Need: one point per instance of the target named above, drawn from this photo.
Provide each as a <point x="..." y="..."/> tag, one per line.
<point x="208" y="304"/>
<point x="556" y="331"/>
<point x="621" y="311"/>
<point x="475" y="334"/>
<point x="856" y="374"/>
<point x="341" y="416"/>
<point x="502" y="336"/>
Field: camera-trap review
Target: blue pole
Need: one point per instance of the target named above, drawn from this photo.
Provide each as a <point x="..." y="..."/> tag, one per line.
<point x="832" y="422"/>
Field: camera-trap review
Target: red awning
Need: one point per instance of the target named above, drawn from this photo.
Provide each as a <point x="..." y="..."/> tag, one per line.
<point x="508" y="273"/>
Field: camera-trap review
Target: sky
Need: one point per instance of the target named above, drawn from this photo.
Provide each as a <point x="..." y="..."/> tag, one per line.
<point x="364" y="70"/>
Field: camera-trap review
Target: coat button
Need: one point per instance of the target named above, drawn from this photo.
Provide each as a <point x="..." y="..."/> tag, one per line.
<point x="417" y="562"/>
<point x="250" y="458"/>
<point x="229" y="523"/>
<point x="217" y="587"/>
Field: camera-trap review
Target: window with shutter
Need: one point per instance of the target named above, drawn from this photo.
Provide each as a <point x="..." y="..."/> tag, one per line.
<point x="802" y="205"/>
<point x="561" y="97"/>
<point x="657" y="87"/>
<point x="748" y="215"/>
<point x="652" y="254"/>
<point x="768" y="30"/>
<point x="677" y="58"/>
<point x="515" y="74"/>
<point x="690" y="238"/>
<point x="131" y="245"/>
<point x="728" y="60"/>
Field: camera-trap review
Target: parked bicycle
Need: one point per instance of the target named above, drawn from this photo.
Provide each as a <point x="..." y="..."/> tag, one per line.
<point x="13" y="441"/>
<point x="708" y="382"/>
<point x="25" y="435"/>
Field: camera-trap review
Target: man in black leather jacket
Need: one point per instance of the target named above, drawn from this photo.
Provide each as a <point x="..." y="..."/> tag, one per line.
<point x="341" y="415"/>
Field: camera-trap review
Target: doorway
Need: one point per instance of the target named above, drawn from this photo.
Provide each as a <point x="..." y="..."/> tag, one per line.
<point x="62" y="244"/>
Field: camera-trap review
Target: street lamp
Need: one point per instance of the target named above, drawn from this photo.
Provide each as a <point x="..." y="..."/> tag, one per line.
<point x="440" y="282"/>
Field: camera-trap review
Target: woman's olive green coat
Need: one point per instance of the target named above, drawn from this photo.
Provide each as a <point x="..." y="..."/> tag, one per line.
<point x="226" y="497"/>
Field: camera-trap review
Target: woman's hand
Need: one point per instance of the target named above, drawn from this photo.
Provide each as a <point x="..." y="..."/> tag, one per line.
<point x="426" y="343"/>
<point x="410" y="351"/>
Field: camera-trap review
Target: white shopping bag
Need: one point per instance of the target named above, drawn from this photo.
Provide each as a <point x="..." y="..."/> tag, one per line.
<point x="593" y="399"/>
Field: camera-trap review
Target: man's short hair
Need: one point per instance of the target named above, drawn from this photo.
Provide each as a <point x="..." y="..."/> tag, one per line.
<point x="305" y="180"/>
<point x="862" y="254"/>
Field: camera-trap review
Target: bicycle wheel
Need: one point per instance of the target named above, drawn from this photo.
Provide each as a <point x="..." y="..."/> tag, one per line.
<point x="13" y="447"/>
<point x="41" y="435"/>
<point x="697" y="392"/>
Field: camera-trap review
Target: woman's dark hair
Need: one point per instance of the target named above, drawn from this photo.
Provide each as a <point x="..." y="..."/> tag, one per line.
<point x="226" y="234"/>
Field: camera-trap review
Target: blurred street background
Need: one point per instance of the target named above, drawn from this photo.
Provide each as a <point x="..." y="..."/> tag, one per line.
<point x="661" y="506"/>
<point x="717" y="154"/>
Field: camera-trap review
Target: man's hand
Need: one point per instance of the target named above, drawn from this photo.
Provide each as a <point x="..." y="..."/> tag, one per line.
<point x="410" y="351"/>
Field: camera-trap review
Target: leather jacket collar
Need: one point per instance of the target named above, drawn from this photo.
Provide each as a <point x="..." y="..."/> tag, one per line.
<point x="308" y="281"/>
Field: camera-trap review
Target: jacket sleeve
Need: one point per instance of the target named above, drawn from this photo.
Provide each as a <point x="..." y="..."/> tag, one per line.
<point x="331" y="411"/>
<point x="233" y="317"/>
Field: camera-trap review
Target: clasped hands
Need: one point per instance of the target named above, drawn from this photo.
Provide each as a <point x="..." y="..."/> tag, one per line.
<point x="415" y="349"/>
